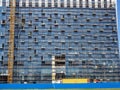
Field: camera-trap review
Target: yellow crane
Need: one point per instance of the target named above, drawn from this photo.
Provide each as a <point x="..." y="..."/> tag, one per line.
<point x="11" y="41"/>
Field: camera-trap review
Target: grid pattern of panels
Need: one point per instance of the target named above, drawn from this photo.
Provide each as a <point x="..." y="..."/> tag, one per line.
<point x="86" y="37"/>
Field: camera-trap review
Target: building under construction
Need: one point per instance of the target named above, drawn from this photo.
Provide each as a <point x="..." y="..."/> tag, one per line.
<point x="53" y="41"/>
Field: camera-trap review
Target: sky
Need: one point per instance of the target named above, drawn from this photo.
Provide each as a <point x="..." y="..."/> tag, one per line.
<point x="118" y="10"/>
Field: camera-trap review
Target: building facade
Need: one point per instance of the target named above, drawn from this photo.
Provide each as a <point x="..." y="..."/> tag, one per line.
<point x="57" y="39"/>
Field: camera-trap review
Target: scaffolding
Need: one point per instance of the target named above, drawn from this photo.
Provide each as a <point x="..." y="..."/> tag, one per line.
<point x="48" y="44"/>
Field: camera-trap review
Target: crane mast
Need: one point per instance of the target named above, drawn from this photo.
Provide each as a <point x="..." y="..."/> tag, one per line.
<point x="11" y="41"/>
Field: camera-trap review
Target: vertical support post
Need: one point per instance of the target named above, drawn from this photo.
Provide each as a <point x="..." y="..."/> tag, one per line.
<point x="59" y="3"/>
<point x="102" y="3"/>
<point x="53" y="69"/>
<point x="84" y="3"/>
<point x="71" y="3"/>
<point x="0" y="3"/>
<point x="7" y="3"/>
<point x="96" y="3"/>
<point x="33" y="3"/>
<point x="40" y="3"/>
<point x="52" y="2"/>
<point x="77" y="3"/>
<point x="90" y="3"/>
<point x="11" y="41"/>
<point x="46" y="3"/>
<point x="27" y="3"/>
<point x="20" y="3"/>
<point x="65" y="3"/>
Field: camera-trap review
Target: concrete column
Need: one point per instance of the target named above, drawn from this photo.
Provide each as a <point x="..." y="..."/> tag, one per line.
<point x="14" y="2"/>
<point x="20" y="3"/>
<point x="83" y="3"/>
<point x="59" y="3"/>
<point x="71" y="3"/>
<point x="102" y="3"/>
<point x="0" y="3"/>
<point x="33" y="3"/>
<point x="46" y="3"/>
<point x="53" y="69"/>
<point x="96" y="3"/>
<point x="27" y="3"/>
<point x="78" y="3"/>
<point x="108" y="3"/>
<point x="113" y="3"/>
<point x="90" y="3"/>
<point x="52" y="2"/>
<point x="40" y="3"/>
<point x="65" y="3"/>
<point x="7" y="3"/>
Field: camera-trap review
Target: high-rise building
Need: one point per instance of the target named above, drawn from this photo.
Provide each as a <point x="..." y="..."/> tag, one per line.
<point x="56" y="39"/>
